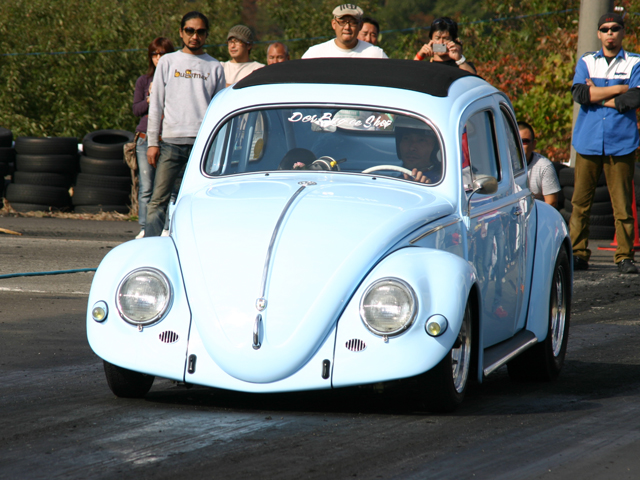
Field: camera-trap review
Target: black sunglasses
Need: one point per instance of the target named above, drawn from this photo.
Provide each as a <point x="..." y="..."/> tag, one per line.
<point x="614" y="29"/>
<point x="191" y="31"/>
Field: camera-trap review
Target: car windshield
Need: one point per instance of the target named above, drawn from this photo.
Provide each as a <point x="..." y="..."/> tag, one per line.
<point x="321" y="139"/>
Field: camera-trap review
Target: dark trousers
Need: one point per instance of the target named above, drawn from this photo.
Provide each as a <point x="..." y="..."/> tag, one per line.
<point x="619" y="172"/>
<point x="171" y="160"/>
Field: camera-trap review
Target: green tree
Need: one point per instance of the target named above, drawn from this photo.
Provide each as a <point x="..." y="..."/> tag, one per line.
<point x="69" y="94"/>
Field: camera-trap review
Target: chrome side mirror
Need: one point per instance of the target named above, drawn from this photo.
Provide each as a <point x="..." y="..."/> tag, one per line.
<point x="485" y="184"/>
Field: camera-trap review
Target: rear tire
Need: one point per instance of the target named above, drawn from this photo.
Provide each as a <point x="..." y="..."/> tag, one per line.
<point x="543" y="361"/>
<point x="447" y="382"/>
<point x="127" y="383"/>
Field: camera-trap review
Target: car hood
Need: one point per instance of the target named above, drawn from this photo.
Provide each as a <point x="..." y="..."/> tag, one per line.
<point x="332" y="233"/>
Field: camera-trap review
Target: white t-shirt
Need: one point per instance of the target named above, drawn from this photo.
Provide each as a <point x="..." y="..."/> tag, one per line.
<point x="234" y="72"/>
<point x="331" y="50"/>
<point x="542" y="177"/>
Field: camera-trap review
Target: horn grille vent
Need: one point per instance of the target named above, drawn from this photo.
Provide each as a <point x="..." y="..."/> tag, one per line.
<point x="168" y="337"/>
<point x="355" y="345"/>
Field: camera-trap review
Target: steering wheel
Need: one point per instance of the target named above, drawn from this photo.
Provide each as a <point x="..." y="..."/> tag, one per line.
<point x="394" y="168"/>
<point x="326" y="163"/>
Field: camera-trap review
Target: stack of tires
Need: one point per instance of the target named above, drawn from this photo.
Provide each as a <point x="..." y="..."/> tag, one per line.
<point x="7" y="157"/>
<point x="45" y="170"/>
<point x="601" y="221"/>
<point x="104" y="182"/>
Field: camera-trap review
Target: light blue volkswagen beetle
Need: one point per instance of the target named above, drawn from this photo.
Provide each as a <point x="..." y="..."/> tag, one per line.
<point x="344" y="222"/>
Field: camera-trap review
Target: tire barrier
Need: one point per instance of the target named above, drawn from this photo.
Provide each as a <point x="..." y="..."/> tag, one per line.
<point x="7" y="158"/>
<point x="104" y="182"/>
<point x="45" y="169"/>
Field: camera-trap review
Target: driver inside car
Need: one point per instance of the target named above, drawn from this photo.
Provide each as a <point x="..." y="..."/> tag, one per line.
<point x="418" y="149"/>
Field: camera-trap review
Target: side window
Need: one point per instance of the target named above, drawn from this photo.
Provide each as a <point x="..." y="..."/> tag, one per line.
<point x="479" y="133"/>
<point x="513" y="142"/>
<point x="250" y="137"/>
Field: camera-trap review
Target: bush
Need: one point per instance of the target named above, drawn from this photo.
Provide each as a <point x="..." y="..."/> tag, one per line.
<point x="74" y="94"/>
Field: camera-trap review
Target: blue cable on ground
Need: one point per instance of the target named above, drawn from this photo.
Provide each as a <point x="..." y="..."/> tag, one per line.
<point x="55" y="272"/>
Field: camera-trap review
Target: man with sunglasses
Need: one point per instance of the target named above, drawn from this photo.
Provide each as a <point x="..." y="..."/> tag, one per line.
<point x="606" y="137"/>
<point x="239" y="43"/>
<point x="183" y="85"/>
<point x="346" y="23"/>
<point x="543" y="181"/>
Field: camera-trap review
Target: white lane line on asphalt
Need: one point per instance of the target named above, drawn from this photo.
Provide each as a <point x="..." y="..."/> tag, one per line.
<point x="22" y="290"/>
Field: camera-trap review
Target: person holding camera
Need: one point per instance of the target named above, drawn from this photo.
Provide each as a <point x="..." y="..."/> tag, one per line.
<point x="444" y="45"/>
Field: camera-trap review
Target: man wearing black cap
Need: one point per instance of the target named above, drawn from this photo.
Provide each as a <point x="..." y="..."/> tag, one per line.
<point x="606" y="137"/>
<point x="239" y="43"/>
<point x="346" y="22"/>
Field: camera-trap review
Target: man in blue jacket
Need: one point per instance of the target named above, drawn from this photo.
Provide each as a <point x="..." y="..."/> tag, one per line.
<point x="606" y="137"/>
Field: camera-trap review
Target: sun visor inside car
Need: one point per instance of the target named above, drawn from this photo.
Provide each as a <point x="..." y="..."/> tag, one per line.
<point x="425" y="77"/>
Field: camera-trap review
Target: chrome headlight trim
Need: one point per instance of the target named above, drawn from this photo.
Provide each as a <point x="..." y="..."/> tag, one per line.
<point x="413" y="306"/>
<point x="159" y="312"/>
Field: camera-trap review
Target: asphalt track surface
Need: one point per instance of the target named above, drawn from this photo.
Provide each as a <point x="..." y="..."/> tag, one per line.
<point x="58" y="418"/>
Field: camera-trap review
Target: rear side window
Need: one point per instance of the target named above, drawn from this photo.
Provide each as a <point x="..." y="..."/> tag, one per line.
<point x="513" y="143"/>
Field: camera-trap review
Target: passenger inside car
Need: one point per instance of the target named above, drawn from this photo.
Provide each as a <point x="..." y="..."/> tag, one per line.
<point x="419" y="151"/>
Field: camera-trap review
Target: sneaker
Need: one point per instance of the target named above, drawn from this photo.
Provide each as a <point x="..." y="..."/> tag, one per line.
<point x="140" y="235"/>
<point x="165" y="233"/>
<point x="627" y="266"/>
<point x="580" y="264"/>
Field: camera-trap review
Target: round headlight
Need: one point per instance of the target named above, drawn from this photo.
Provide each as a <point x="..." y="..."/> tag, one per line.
<point x="143" y="296"/>
<point x="388" y="307"/>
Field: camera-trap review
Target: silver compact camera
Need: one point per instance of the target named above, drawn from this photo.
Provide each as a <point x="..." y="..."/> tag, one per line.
<point x="439" y="48"/>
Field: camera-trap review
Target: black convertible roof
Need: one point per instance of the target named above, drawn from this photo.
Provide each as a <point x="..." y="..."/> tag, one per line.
<point x="424" y="77"/>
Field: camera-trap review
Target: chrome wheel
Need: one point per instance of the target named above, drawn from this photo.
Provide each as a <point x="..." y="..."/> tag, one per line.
<point x="461" y="354"/>
<point x="446" y="384"/>
<point x="558" y="310"/>
<point x="544" y="360"/>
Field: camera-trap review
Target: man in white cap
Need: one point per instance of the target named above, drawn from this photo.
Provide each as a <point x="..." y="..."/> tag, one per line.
<point x="239" y="43"/>
<point x="346" y="22"/>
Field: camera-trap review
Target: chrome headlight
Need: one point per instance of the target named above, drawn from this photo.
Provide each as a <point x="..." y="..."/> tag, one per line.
<point x="144" y="296"/>
<point x="388" y="307"/>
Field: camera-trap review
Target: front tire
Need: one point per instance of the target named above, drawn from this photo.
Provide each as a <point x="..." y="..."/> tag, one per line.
<point x="543" y="361"/>
<point x="127" y="383"/>
<point x="447" y="382"/>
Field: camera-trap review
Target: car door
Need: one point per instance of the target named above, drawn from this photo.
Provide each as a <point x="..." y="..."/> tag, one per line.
<point x="493" y="233"/>
<point x="524" y="222"/>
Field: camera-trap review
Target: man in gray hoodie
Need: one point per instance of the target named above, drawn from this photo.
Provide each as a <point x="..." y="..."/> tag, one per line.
<point x="183" y="85"/>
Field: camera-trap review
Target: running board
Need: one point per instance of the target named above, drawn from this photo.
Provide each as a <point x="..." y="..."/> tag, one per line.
<point x="498" y="355"/>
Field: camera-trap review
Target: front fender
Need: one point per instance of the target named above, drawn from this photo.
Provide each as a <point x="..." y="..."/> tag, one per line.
<point x="442" y="282"/>
<point x="158" y="349"/>
<point x="552" y="233"/>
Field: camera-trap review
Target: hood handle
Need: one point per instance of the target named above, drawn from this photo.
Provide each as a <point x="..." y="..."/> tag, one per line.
<point x="256" y="332"/>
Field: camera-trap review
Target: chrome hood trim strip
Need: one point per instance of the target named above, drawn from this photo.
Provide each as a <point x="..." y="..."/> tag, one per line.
<point x="261" y="302"/>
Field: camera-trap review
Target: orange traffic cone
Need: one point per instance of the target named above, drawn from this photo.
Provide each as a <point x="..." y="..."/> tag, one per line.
<point x="636" y="242"/>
